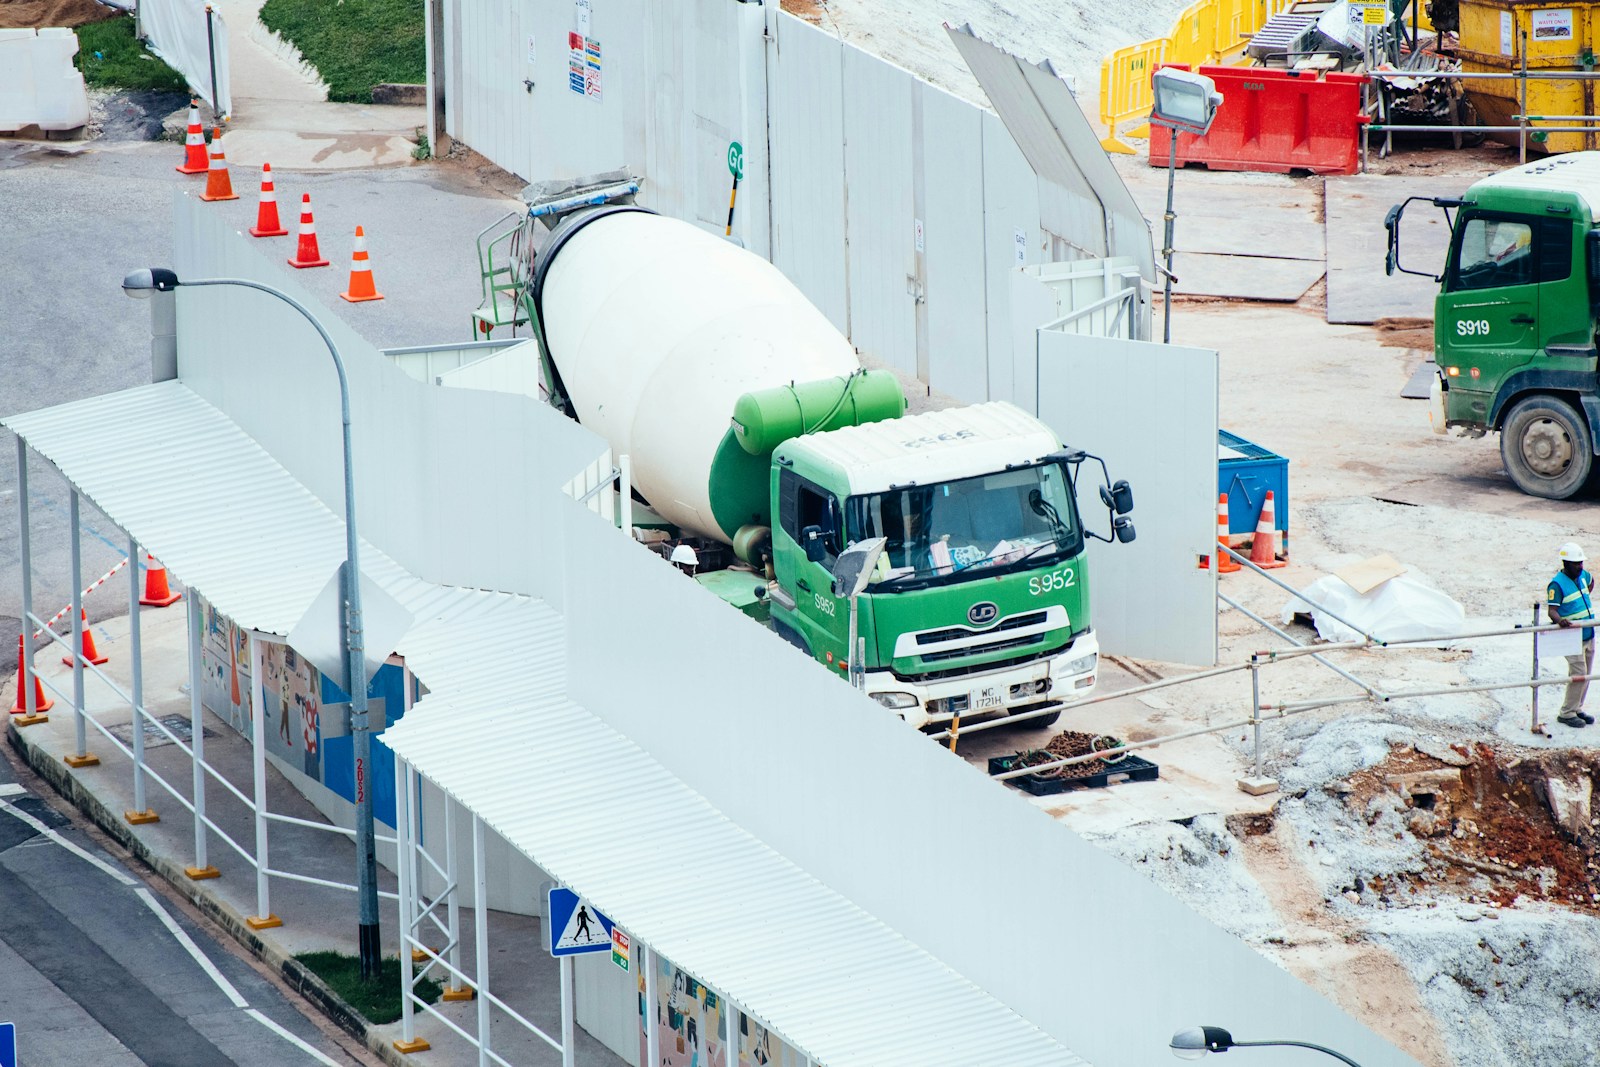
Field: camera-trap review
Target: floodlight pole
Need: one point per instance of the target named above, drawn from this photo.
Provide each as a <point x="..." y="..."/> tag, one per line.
<point x="1166" y="300"/>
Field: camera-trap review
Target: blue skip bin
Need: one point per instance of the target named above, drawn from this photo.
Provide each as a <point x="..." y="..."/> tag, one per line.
<point x="1245" y="473"/>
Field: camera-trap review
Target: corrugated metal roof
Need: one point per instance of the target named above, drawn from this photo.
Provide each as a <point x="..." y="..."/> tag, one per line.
<point x="497" y="732"/>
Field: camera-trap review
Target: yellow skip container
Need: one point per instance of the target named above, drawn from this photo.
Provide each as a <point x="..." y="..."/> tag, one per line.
<point x="1557" y="36"/>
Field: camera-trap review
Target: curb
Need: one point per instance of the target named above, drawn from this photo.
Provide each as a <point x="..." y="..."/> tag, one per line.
<point x="299" y="977"/>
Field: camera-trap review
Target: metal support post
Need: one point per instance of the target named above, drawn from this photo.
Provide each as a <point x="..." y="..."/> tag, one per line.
<point x="730" y="1018"/>
<point x="453" y="908"/>
<point x="141" y="812"/>
<point x="569" y="1023"/>
<point x="1522" y="101"/>
<point x="1166" y="251"/>
<point x="263" y="918"/>
<point x="1533" y="690"/>
<point x="1258" y="784"/>
<point x="26" y="683"/>
<point x="480" y="931"/>
<point x="652" y="1008"/>
<point x="211" y="51"/>
<point x="405" y="843"/>
<point x="625" y="498"/>
<point x="197" y="748"/>
<point x="80" y="756"/>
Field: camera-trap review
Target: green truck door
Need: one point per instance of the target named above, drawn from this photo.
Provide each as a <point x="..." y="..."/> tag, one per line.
<point x="823" y="618"/>
<point x="1487" y="312"/>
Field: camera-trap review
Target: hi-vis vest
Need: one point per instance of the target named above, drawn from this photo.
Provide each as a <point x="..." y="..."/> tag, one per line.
<point x="1571" y="599"/>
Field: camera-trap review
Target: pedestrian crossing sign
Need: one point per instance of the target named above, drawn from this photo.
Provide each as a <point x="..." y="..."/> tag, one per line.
<point x="575" y="926"/>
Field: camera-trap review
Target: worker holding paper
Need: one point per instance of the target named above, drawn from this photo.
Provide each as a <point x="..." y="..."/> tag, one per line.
<point x="1569" y="600"/>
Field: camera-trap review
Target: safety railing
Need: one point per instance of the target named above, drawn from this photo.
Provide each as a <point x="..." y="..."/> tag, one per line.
<point x="1263" y="711"/>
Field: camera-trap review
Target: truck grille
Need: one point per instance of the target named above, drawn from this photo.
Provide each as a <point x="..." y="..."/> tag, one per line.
<point x="994" y="646"/>
<point x="956" y="633"/>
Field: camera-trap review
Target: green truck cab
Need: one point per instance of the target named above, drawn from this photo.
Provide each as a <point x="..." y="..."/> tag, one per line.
<point x="1514" y="320"/>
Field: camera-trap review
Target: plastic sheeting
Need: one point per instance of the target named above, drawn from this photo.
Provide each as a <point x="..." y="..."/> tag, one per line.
<point x="177" y="33"/>
<point x="38" y="84"/>
<point x="1400" y="609"/>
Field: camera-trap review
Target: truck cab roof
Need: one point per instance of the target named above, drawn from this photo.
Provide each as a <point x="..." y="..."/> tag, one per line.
<point x="920" y="449"/>
<point x="1569" y="180"/>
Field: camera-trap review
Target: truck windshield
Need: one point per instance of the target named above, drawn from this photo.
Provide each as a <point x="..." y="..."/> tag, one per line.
<point x="948" y="531"/>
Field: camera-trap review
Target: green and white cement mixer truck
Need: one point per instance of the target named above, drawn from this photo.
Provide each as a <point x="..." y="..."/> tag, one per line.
<point x="1514" y="321"/>
<point x="756" y="436"/>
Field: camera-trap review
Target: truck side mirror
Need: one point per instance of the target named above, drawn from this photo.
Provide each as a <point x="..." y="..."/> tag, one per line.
<point x="1391" y="222"/>
<point x="1121" y="497"/>
<point x="811" y="539"/>
<point x="1122" y="526"/>
<point x="1592" y="247"/>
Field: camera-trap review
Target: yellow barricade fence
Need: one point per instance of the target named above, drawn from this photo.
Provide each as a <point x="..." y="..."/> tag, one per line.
<point x="1208" y="31"/>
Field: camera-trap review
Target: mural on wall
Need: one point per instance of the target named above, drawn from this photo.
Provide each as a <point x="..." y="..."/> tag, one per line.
<point x="691" y="1028"/>
<point x="306" y="714"/>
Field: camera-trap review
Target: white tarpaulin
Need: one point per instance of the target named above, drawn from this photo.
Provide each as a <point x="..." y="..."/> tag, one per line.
<point x="39" y="86"/>
<point x="1400" y="609"/>
<point x="177" y="32"/>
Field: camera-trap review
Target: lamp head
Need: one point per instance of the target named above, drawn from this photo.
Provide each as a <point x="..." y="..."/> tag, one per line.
<point x="1184" y="100"/>
<point x="139" y="284"/>
<point x="1195" y="1042"/>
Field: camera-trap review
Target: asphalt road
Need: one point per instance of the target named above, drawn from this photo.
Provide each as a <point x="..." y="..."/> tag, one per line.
<point x="97" y="968"/>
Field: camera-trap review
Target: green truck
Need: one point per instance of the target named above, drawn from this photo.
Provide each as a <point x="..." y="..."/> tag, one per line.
<point x="763" y="454"/>
<point x="1514" y="320"/>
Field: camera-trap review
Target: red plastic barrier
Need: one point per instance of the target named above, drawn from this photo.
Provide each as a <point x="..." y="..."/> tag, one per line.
<point x="1275" y="120"/>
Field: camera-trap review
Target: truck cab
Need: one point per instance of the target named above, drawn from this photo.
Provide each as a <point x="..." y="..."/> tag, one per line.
<point x="1514" y="319"/>
<point x="979" y="601"/>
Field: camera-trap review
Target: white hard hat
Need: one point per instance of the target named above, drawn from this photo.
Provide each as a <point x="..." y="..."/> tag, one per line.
<point x="1571" y="552"/>
<point x="686" y="555"/>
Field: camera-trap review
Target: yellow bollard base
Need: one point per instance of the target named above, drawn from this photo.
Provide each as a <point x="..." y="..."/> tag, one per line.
<point x="416" y="1044"/>
<point x="139" y="818"/>
<point x="465" y="992"/>
<point x="85" y="760"/>
<point x="29" y="720"/>
<point x="256" y="922"/>
<point x="200" y="873"/>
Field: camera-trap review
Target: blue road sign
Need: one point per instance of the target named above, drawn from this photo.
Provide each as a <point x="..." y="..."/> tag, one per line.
<point x="8" y="1045"/>
<point x="575" y="927"/>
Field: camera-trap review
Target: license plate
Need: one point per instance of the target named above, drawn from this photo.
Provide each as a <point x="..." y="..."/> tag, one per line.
<point x="987" y="697"/>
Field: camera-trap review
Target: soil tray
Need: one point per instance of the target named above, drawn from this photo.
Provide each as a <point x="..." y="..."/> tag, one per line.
<point x="1129" y="768"/>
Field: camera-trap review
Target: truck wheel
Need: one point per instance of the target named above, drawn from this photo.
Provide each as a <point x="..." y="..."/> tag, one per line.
<point x="1546" y="448"/>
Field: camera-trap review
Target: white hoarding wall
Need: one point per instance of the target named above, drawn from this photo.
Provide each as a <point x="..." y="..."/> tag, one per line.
<point x="1064" y="933"/>
<point x="1150" y="411"/>
<point x="451" y="477"/>
<point x="178" y="34"/>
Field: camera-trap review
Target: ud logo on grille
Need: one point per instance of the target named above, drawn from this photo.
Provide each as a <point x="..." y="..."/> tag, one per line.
<point x="982" y="613"/>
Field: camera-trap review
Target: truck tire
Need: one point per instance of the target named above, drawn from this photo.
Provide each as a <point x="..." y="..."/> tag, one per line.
<point x="1546" y="448"/>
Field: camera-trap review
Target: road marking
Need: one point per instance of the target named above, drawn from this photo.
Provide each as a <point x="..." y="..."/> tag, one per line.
<point x="11" y="789"/>
<point x="287" y="1036"/>
<point x="192" y="948"/>
<point x="68" y="845"/>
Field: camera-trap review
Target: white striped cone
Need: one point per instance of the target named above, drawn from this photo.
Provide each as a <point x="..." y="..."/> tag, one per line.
<point x="195" y="160"/>
<point x="218" y="185"/>
<point x="306" y="253"/>
<point x="361" y="286"/>
<point x="267" y="224"/>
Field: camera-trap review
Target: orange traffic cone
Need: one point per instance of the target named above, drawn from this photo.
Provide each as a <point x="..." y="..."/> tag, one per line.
<point x="1264" y="546"/>
<point x="218" y="185"/>
<point x="156" y="593"/>
<point x="306" y="254"/>
<point x="267" y="224"/>
<point x="1226" y="564"/>
<point x="90" y="653"/>
<point x="41" y="702"/>
<point x="361" y="287"/>
<point x="194" y="144"/>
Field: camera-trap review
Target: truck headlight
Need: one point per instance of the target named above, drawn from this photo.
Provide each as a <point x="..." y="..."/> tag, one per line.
<point x="1083" y="663"/>
<point x="895" y="700"/>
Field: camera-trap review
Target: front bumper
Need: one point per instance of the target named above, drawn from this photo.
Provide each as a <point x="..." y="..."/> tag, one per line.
<point x="1042" y="683"/>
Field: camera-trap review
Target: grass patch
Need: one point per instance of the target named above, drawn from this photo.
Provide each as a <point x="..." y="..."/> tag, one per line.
<point x="355" y="44"/>
<point x="111" y="58"/>
<point x="378" y="1001"/>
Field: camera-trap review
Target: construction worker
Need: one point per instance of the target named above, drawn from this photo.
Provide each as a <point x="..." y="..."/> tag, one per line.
<point x="1569" y="601"/>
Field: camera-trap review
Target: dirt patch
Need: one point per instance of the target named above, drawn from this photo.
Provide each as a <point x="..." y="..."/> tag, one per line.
<point x="32" y="14"/>
<point x="1488" y="825"/>
<point x="1404" y="333"/>
<point x="810" y="10"/>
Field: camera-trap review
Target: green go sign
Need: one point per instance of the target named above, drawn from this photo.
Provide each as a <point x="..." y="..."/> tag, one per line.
<point x="736" y="160"/>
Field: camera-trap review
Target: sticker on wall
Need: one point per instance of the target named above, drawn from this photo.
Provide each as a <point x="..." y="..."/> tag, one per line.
<point x="584" y="14"/>
<point x="530" y="50"/>
<point x="1506" y="38"/>
<point x="1554" y="24"/>
<point x="576" y="927"/>
<point x="1019" y="242"/>
<point x="621" y="949"/>
<point x="591" y="71"/>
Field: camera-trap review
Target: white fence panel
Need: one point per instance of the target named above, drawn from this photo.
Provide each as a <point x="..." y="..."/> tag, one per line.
<point x="808" y="191"/>
<point x="1150" y="411"/>
<point x="177" y="33"/>
<point x="426" y="362"/>
<point x="1043" y="293"/>
<point x="1011" y="238"/>
<point x="955" y="262"/>
<point x="879" y="208"/>
<point x="904" y="845"/>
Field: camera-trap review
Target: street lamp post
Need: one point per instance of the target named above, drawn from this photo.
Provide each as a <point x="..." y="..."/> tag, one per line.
<point x="1199" y="1041"/>
<point x="142" y="283"/>
<point x="1188" y="102"/>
